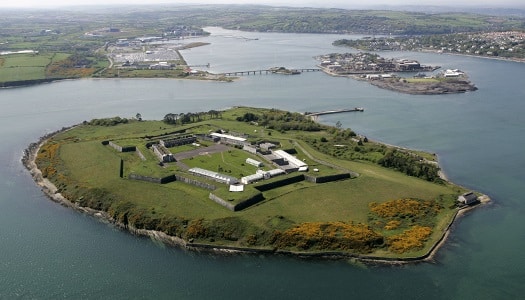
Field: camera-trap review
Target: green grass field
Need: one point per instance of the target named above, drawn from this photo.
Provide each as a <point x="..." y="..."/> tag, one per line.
<point x="86" y="164"/>
<point x="18" y="67"/>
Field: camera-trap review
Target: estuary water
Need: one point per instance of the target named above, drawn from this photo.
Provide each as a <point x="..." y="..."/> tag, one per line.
<point x="51" y="252"/>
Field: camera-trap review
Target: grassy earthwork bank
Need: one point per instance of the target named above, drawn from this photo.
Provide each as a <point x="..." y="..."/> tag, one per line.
<point x="394" y="208"/>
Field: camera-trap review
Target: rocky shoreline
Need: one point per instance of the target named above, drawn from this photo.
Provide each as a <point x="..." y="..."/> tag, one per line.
<point x="426" y="88"/>
<point x="50" y="190"/>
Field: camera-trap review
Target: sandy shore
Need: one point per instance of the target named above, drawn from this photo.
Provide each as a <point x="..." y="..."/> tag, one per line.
<point x="51" y="191"/>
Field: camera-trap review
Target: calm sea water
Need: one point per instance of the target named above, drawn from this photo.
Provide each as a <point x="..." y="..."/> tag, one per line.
<point x="48" y="251"/>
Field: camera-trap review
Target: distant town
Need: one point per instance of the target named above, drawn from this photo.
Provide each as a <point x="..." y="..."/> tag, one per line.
<point x="502" y="44"/>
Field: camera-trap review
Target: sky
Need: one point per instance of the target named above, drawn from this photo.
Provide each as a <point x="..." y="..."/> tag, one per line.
<point x="303" y="3"/>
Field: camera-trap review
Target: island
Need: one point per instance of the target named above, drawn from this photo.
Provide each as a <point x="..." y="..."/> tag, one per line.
<point x="383" y="73"/>
<point x="253" y="180"/>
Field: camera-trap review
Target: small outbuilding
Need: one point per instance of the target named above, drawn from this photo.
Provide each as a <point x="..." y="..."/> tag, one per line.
<point x="468" y="198"/>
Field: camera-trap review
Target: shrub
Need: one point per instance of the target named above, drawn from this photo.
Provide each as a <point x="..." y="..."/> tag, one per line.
<point x="413" y="238"/>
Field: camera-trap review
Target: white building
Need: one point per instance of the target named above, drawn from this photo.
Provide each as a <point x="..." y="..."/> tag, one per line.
<point x="254" y="162"/>
<point x="452" y="73"/>
<point x="230" y="139"/>
<point x="250" y="149"/>
<point x="162" y="153"/>
<point x="275" y="172"/>
<point x="292" y="160"/>
<point x="468" y="198"/>
<point x="214" y="175"/>
<point x="252" y="178"/>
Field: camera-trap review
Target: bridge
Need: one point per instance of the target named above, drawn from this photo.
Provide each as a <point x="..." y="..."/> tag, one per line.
<point x="269" y="71"/>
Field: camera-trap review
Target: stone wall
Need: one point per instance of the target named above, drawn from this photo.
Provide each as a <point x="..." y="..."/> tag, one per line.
<point x="197" y="183"/>
<point x="172" y="178"/>
<point x="239" y="206"/>
<point x="115" y="146"/>
<point x="279" y="183"/>
<point x="160" y="180"/>
<point x="328" y="178"/>
<point x="222" y="202"/>
<point x="122" y="149"/>
<point x="141" y="155"/>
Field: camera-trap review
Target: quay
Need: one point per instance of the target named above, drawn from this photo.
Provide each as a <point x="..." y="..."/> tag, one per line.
<point x="268" y="71"/>
<point x="336" y="111"/>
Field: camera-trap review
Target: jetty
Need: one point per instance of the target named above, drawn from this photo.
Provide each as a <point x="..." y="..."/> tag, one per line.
<point x="269" y="71"/>
<point x="336" y="111"/>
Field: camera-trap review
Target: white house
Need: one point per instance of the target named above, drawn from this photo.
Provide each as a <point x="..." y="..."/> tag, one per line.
<point x="468" y="198"/>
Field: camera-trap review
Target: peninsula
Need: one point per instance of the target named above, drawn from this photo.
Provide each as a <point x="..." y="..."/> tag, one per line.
<point x="252" y="180"/>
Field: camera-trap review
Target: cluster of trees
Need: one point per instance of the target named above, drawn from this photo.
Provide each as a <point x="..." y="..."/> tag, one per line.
<point x="282" y="121"/>
<point x="248" y="117"/>
<point x="107" y="121"/>
<point x="187" y="118"/>
<point x="410" y="164"/>
<point x="346" y="144"/>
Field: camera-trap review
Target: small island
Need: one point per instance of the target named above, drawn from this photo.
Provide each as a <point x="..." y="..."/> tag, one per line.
<point x="252" y="180"/>
<point x="381" y="72"/>
<point x="447" y="82"/>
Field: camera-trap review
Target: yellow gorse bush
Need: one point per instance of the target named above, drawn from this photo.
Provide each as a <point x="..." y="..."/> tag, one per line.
<point x="410" y="239"/>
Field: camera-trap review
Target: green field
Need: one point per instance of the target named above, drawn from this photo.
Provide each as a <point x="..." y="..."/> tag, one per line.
<point x="87" y="172"/>
<point x="20" y="67"/>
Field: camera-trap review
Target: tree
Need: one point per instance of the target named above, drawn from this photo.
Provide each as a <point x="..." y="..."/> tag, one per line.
<point x="138" y="116"/>
<point x="338" y="124"/>
<point x="171" y="118"/>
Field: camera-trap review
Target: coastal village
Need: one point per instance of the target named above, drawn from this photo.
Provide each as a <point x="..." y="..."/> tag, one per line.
<point x="504" y="44"/>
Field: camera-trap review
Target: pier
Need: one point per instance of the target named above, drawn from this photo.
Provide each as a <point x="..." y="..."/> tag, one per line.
<point x="315" y="115"/>
<point x="269" y="71"/>
<point x="336" y="111"/>
<point x="200" y="66"/>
